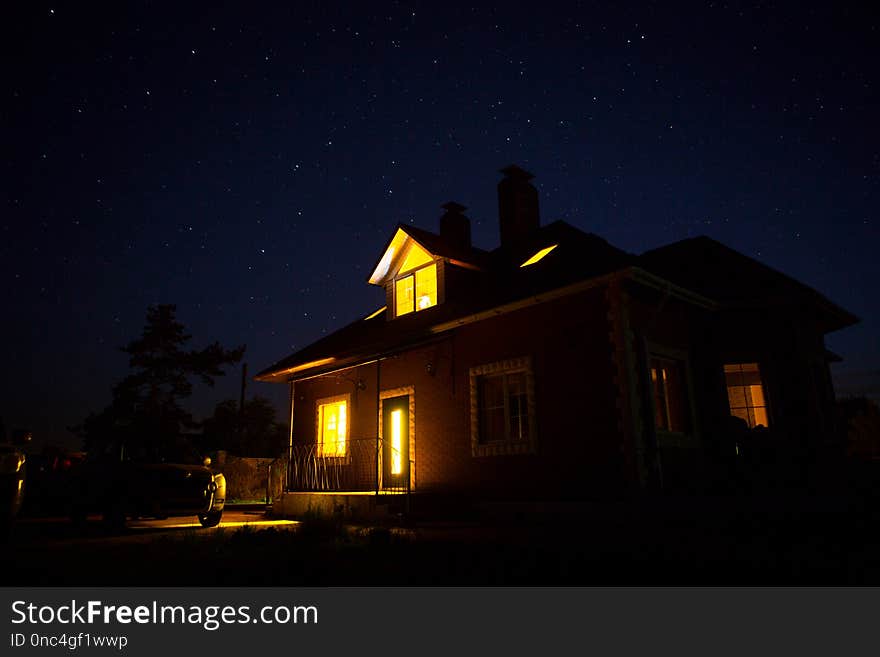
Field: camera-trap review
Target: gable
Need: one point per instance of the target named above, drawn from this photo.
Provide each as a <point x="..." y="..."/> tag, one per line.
<point x="415" y="257"/>
<point x="402" y="254"/>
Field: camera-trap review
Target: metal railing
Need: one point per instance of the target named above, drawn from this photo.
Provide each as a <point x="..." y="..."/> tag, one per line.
<point x="358" y="470"/>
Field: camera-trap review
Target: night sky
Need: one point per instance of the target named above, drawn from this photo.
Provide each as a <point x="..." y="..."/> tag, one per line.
<point x="247" y="162"/>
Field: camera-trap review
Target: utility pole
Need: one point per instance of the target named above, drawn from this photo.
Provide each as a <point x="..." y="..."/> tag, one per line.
<point x="241" y="431"/>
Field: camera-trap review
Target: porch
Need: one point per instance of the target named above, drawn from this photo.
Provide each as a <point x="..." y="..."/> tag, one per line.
<point x="368" y="478"/>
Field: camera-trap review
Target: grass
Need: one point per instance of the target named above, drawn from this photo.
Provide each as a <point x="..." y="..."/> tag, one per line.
<point x="606" y="546"/>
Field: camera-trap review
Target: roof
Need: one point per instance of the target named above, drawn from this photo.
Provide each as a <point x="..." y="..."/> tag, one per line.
<point x="699" y="270"/>
<point x="394" y="250"/>
<point x="709" y="267"/>
<point x="579" y="256"/>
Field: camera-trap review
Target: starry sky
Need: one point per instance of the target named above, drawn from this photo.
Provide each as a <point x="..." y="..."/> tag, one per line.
<point x="248" y="161"/>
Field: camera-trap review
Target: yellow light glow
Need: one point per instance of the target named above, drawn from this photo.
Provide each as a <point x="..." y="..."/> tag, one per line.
<point x="340" y="430"/>
<point x="306" y="366"/>
<point x="394" y="248"/>
<point x="745" y="393"/>
<point x="403" y="295"/>
<point x="375" y="314"/>
<point x="538" y="256"/>
<point x="332" y="420"/>
<point x="415" y="257"/>
<point x="426" y="287"/>
<point x="396" y="461"/>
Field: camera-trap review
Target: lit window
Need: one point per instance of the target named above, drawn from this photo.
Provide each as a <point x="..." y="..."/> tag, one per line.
<point x="502" y="408"/>
<point x="404" y="295"/>
<point x="416" y="291"/>
<point x="538" y="256"/>
<point x="332" y="427"/>
<point x="426" y="287"/>
<point x="745" y="393"/>
<point x="668" y="387"/>
<point x="396" y="442"/>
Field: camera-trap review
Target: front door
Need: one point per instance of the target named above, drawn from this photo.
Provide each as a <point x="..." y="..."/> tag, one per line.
<point x="395" y="442"/>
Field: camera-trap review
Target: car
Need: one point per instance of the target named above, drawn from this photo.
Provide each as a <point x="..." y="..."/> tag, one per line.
<point x="152" y="480"/>
<point x="13" y="466"/>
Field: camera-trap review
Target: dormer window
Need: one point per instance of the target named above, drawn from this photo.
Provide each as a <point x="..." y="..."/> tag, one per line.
<point x="416" y="290"/>
<point x="415" y="264"/>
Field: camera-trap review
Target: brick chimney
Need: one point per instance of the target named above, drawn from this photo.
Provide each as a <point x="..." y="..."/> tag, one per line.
<point x="455" y="228"/>
<point x="517" y="206"/>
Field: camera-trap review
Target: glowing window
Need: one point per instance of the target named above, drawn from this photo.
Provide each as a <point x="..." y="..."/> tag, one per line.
<point x="539" y="255"/>
<point x="415" y="257"/>
<point x="396" y="446"/>
<point x="332" y="427"/>
<point x="403" y="295"/>
<point x="668" y="386"/>
<point x="745" y="393"/>
<point x="426" y="287"/>
<point x="416" y="291"/>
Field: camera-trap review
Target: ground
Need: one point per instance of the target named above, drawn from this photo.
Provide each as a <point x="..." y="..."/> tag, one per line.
<point x="663" y="542"/>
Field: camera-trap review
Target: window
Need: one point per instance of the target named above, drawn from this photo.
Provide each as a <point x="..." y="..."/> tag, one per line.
<point x="745" y="393"/>
<point x="416" y="291"/>
<point x="403" y="297"/>
<point x="502" y="408"/>
<point x="332" y="426"/>
<point x="668" y="387"/>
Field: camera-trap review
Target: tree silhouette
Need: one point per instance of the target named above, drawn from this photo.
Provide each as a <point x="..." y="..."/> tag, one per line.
<point x="251" y="431"/>
<point x="146" y="406"/>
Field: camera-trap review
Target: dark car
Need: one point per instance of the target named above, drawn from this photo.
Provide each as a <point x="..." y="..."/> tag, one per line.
<point x="122" y="481"/>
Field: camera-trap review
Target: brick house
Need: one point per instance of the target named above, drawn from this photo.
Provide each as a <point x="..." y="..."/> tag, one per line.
<point x="560" y="366"/>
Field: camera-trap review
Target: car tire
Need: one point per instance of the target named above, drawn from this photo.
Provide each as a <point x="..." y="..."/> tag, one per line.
<point x="210" y="519"/>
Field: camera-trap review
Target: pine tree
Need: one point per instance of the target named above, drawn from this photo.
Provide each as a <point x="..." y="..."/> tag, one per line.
<point x="147" y="404"/>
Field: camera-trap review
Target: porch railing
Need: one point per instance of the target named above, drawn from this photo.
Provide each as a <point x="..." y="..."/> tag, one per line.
<point x="359" y="470"/>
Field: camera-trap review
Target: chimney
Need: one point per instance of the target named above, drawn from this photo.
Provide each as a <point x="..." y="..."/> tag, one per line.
<point x="517" y="206"/>
<point x="455" y="228"/>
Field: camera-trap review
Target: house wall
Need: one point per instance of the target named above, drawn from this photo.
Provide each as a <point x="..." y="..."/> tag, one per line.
<point x="789" y="345"/>
<point x="579" y="448"/>
<point x="790" y="350"/>
<point x="661" y="324"/>
<point x="593" y="397"/>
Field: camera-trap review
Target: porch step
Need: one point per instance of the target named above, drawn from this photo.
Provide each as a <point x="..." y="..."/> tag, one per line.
<point x="349" y="505"/>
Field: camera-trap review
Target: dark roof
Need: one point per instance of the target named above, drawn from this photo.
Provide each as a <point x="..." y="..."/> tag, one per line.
<point x="700" y="265"/>
<point x="579" y="256"/>
<point x="440" y="247"/>
<point x="437" y="246"/>
<point x="735" y="280"/>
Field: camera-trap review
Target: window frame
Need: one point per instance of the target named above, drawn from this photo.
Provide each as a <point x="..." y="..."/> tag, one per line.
<point x="761" y="377"/>
<point x="328" y="401"/>
<point x="508" y="445"/>
<point x="411" y="273"/>
<point x="666" y="438"/>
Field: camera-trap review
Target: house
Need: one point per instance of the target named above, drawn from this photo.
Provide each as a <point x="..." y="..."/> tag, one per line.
<point x="558" y="365"/>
